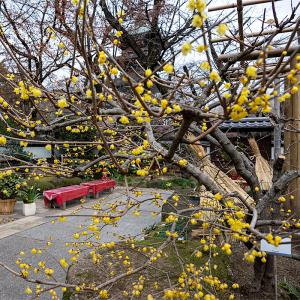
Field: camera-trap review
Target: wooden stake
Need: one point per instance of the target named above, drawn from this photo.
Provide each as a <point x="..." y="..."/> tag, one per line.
<point x="275" y="276"/>
<point x="287" y="138"/>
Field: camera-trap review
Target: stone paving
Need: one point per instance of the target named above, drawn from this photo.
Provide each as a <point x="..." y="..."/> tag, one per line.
<point x="31" y="232"/>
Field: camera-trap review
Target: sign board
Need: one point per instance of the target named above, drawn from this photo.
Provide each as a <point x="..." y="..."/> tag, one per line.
<point x="282" y="249"/>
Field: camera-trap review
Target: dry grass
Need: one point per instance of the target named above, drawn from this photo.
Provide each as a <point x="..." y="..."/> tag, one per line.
<point x="216" y="175"/>
<point x="263" y="170"/>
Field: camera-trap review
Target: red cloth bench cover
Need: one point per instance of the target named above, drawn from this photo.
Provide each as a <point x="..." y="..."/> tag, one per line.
<point x="65" y="193"/>
<point x="99" y="185"/>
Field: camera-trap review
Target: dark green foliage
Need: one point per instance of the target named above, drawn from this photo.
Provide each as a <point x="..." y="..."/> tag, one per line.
<point x="88" y="178"/>
<point x="182" y="182"/>
<point x="294" y="293"/>
<point x="132" y="169"/>
<point x="15" y="150"/>
<point x="97" y="176"/>
<point x="181" y="229"/>
<point x="8" y="183"/>
<point x="12" y="124"/>
<point x="67" y="295"/>
<point x="86" y="136"/>
<point x="150" y="228"/>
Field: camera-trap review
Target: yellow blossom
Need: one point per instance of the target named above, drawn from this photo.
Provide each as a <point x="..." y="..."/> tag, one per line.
<point x="36" y="93"/>
<point x="200" y="5"/>
<point x="191" y="5"/>
<point x="114" y="71"/>
<point x="124" y="120"/>
<point x="2" y="140"/>
<point x="186" y="48"/>
<point x="222" y="29"/>
<point x="62" y="103"/>
<point x="214" y="76"/>
<point x="200" y="48"/>
<point x="168" y="68"/>
<point x="205" y="66"/>
<point x="197" y="21"/>
<point x="251" y="70"/>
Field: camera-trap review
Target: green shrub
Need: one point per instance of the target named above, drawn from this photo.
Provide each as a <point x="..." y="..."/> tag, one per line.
<point x="72" y="181"/>
<point x="42" y="185"/>
<point x="49" y="183"/>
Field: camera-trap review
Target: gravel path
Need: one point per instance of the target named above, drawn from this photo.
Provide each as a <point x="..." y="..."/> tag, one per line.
<point x="6" y="220"/>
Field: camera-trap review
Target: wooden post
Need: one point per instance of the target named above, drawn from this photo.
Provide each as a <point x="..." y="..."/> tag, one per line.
<point x="63" y="206"/>
<point x="240" y="22"/>
<point x="287" y="138"/>
<point x="275" y="277"/>
<point x="295" y="149"/>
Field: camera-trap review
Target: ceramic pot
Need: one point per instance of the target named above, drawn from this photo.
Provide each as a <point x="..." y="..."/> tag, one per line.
<point x="29" y="209"/>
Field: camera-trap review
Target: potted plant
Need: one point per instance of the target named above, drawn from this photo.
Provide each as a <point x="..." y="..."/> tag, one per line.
<point x="9" y="190"/>
<point x="28" y="197"/>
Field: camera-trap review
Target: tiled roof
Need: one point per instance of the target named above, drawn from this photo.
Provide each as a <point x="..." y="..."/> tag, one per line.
<point x="247" y="124"/>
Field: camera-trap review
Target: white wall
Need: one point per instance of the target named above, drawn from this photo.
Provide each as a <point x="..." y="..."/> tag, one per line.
<point x="37" y="152"/>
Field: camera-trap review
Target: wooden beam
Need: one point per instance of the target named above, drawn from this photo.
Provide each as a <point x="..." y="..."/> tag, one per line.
<point x="268" y="65"/>
<point x="276" y="52"/>
<point x="254" y="34"/>
<point x="259" y="71"/>
<point x="233" y="5"/>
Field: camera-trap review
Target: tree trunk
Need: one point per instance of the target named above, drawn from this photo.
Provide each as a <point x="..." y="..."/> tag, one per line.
<point x="259" y="271"/>
<point x="267" y="283"/>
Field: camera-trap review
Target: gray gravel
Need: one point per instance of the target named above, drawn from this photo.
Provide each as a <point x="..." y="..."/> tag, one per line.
<point x="61" y="232"/>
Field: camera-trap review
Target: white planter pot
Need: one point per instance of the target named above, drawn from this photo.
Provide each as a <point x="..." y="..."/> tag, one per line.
<point x="29" y="209"/>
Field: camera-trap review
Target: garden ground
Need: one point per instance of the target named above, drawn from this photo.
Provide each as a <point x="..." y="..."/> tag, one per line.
<point x="25" y="233"/>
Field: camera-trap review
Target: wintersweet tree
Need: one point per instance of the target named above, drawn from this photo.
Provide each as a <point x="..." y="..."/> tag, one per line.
<point x="87" y="96"/>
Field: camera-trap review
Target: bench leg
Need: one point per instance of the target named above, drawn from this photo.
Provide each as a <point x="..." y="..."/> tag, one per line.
<point x="63" y="206"/>
<point x="111" y="189"/>
<point x="97" y="195"/>
<point x="49" y="204"/>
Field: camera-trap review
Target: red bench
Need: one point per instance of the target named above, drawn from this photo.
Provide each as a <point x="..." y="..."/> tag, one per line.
<point x="100" y="185"/>
<point x="64" y="194"/>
